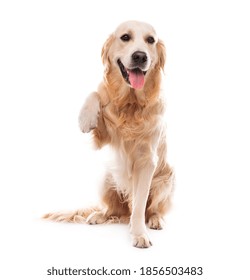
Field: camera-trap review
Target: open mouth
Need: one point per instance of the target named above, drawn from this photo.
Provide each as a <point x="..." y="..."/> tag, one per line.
<point x="134" y="77"/>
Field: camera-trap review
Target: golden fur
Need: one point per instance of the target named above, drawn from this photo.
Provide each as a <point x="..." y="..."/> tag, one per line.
<point x="138" y="189"/>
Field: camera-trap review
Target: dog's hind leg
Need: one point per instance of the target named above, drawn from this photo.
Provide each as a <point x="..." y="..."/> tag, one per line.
<point x="115" y="207"/>
<point x="159" y="201"/>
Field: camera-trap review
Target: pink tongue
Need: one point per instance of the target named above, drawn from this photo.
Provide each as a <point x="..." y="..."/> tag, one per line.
<point x="136" y="79"/>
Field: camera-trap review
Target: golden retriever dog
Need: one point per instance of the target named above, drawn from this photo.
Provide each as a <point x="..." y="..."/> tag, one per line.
<point x="126" y="112"/>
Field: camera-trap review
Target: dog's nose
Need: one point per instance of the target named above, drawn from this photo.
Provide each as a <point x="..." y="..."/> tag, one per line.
<point x="139" y="57"/>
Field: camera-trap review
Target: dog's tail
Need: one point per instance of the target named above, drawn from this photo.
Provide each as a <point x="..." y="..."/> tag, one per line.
<point x="78" y="216"/>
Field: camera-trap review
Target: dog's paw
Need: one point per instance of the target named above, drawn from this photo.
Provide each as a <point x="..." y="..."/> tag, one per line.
<point x="88" y="116"/>
<point x="96" y="218"/>
<point x="87" y="122"/>
<point x="155" y="222"/>
<point x="141" y="241"/>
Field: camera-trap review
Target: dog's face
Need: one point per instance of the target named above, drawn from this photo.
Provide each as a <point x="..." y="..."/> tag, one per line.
<point x="134" y="49"/>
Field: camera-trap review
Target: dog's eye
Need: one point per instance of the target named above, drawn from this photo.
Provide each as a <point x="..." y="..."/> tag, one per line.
<point x="150" y="40"/>
<point x="125" y="37"/>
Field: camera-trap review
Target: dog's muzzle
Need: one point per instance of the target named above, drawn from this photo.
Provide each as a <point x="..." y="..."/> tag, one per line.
<point x="134" y="76"/>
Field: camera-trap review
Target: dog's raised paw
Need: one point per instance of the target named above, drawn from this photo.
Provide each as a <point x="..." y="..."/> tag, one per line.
<point x="88" y="116"/>
<point x="141" y="241"/>
<point x="87" y="119"/>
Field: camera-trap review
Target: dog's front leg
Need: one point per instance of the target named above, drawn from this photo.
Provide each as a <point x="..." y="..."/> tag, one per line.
<point x="88" y="116"/>
<point x="142" y="177"/>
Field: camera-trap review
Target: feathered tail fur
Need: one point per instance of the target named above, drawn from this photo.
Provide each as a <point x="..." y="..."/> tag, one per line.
<point x="79" y="216"/>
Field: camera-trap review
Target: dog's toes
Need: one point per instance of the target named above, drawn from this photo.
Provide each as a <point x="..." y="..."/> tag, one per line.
<point x="96" y="218"/>
<point x="88" y="117"/>
<point x="141" y="241"/>
<point x="155" y="222"/>
<point x="87" y="124"/>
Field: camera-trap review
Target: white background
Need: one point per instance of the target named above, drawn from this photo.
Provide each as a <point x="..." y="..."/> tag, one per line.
<point x="49" y="62"/>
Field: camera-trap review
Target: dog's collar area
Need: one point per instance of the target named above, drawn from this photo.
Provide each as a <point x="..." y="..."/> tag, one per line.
<point x="128" y="73"/>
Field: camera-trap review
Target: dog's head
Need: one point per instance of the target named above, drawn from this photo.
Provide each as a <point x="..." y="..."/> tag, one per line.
<point x="134" y="50"/>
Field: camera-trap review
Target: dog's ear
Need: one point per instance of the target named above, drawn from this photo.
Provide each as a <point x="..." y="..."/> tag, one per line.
<point x="105" y="52"/>
<point x="161" y="50"/>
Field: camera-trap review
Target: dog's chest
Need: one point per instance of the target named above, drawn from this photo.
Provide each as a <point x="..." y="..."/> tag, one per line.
<point x="130" y="122"/>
